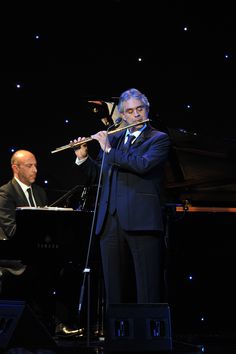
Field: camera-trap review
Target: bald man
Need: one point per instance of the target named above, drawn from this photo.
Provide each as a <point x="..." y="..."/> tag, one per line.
<point x="14" y="194"/>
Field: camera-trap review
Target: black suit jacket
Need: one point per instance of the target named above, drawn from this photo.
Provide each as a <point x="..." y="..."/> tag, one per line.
<point x="11" y="197"/>
<point x="138" y="174"/>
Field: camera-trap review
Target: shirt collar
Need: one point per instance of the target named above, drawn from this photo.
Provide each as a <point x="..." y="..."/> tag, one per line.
<point x="136" y="133"/>
<point x="23" y="186"/>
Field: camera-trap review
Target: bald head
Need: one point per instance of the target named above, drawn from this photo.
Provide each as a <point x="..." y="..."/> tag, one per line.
<point x="20" y="156"/>
<point x="24" y="166"/>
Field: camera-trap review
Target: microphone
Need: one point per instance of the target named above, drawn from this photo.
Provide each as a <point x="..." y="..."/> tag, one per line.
<point x="116" y="123"/>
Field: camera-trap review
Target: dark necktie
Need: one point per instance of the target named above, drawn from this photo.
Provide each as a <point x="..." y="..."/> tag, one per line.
<point x="32" y="204"/>
<point x="128" y="142"/>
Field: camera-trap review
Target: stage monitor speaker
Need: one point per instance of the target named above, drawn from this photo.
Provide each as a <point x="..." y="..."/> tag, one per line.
<point x="138" y="327"/>
<point x="19" y="327"/>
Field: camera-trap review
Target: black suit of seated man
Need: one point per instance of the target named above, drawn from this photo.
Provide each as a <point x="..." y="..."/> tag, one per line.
<point x="33" y="283"/>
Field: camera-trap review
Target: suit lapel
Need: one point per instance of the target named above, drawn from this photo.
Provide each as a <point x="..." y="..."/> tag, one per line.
<point x="19" y="193"/>
<point x="142" y="137"/>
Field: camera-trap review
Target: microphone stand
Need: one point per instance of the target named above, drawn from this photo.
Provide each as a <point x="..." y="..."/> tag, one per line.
<point x="86" y="270"/>
<point x="66" y="195"/>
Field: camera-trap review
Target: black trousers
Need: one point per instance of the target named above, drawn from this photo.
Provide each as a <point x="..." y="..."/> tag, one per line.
<point x="132" y="264"/>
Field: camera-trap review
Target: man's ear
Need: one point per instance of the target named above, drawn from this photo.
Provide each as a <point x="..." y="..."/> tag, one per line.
<point x="14" y="168"/>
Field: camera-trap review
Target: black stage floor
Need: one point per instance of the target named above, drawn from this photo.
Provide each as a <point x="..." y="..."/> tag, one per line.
<point x="186" y="344"/>
<point x="22" y="332"/>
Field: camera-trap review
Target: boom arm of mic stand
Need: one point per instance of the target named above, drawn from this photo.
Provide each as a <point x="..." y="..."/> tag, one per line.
<point x="66" y="195"/>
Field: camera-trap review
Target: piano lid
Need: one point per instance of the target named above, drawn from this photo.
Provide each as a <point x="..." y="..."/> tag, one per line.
<point x="201" y="169"/>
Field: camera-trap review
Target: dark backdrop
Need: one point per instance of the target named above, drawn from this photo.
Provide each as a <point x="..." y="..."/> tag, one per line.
<point x="91" y="51"/>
